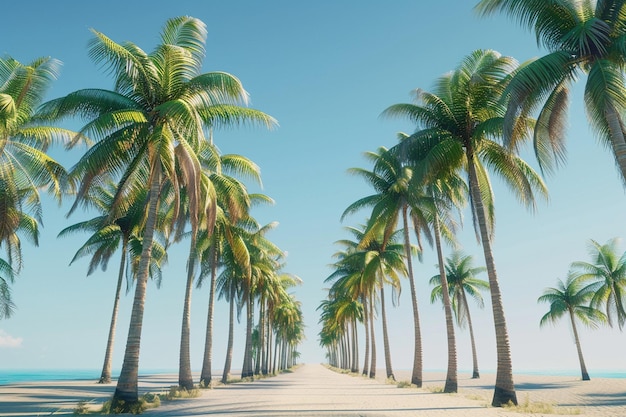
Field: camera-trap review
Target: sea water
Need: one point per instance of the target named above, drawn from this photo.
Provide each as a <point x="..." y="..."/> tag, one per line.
<point x="14" y="376"/>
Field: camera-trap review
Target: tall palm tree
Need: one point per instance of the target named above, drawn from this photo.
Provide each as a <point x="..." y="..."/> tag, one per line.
<point x="581" y="37"/>
<point x="458" y="123"/>
<point x="107" y="236"/>
<point x="606" y="279"/>
<point x="25" y="168"/>
<point x="461" y="277"/>
<point x="572" y="298"/>
<point x="391" y="179"/>
<point x="150" y="126"/>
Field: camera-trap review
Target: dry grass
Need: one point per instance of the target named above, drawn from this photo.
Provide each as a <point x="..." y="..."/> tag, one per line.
<point x="538" y="407"/>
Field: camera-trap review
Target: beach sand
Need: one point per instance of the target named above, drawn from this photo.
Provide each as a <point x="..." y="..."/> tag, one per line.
<point x="312" y="390"/>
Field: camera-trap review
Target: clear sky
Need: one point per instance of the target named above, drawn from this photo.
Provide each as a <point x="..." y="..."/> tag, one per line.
<point x="325" y="70"/>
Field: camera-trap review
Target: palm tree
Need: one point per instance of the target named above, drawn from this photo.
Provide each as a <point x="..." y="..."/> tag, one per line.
<point x="458" y="123"/>
<point x="461" y="277"/>
<point x="147" y="131"/>
<point x="233" y="203"/>
<point x="25" y="168"/>
<point x="106" y="238"/>
<point x="391" y="179"/>
<point x="606" y="275"/>
<point x="572" y="298"/>
<point x="581" y="37"/>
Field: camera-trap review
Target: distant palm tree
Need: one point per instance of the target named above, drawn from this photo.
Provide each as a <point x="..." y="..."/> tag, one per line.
<point x="581" y="36"/>
<point x="107" y="236"/>
<point x="572" y="298"/>
<point x="391" y="179"/>
<point x="462" y="281"/>
<point x="458" y="125"/>
<point x="606" y="279"/>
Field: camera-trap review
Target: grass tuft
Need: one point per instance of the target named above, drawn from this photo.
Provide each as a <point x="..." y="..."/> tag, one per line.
<point x="538" y="407"/>
<point x="404" y="384"/>
<point x="435" y="389"/>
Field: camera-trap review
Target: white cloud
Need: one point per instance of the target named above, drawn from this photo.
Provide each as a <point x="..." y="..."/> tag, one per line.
<point x="8" y="341"/>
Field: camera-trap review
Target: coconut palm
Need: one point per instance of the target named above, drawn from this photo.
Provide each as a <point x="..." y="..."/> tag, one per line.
<point x="233" y="202"/>
<point x="458" y="123"/>
<point x="606" y="279"/>
<point x="572" y="297"/>
<point x="25" y="168"/>
<point x="147" y="131"/>
<point x="461" y="277"/>
<point x="106" y="238"/>
<point x="581" y="37"/>
<point x="391" y="179"/>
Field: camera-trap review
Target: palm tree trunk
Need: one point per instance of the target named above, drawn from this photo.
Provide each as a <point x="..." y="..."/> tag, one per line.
<point x="504" y="391"/>
<point x="105" y="377"/>
<point x="388" y="367"/>
<point x="451" y="384"/>
<point x="416" y="374"/>
<point x="185" y="379"/>
<point x="372" y="340"/>
<point x="367" y="336"/>
<point x="268" y="358"/>
<point x="247" y="370"/>
<point x="126" y="392"/>
<point x="261" y="348"/>
<point x="229" y="346"/>
<point x="207" y="362"/>
<point x="475" y="373"/>
<point x="583" y="368"/>
<point x="355" y="348"/>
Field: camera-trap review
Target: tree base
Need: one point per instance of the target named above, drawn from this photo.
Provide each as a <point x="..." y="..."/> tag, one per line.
<point x="503" y="397"/>
<point x="475" y="375"/>
<point x="451" y="386"/>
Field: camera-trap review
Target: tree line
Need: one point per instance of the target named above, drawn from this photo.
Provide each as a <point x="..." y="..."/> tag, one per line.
<point x="153" y="177"/>
<point x="470" y="126"/>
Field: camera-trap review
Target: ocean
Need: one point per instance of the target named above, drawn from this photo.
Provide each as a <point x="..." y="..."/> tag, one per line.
<point x="14" y="376"/>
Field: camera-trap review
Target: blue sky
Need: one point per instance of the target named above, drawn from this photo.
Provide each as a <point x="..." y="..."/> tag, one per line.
<point x="325" y="70"/>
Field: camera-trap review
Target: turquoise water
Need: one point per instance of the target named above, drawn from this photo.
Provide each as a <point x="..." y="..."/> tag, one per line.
<point x="14" y="376"/>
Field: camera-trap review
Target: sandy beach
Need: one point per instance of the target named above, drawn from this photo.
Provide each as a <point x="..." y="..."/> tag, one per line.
<point x="313" y="390"/>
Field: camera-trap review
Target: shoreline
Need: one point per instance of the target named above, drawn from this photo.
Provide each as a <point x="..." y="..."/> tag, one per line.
<point x="600" y="397"/>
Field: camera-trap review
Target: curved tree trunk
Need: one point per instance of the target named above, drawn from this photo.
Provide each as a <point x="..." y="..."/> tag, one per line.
<point x="451" y="377"/>
<point x="185" y="379"/>
<point x="105" y="377"/>
<point x="388" y="367"/>
<point x="207" y="362"/>
<point x="372" y="339"/>
<point x="475" y="373"/>
<point x="504" y="391"/>
<point x="126" y="392"/>
<point x="367" y="336"/>
<point x="416" y="374"/>
<point x="583" y="368"/>
<point x="229" y="347"/>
